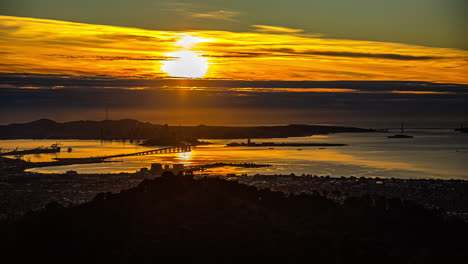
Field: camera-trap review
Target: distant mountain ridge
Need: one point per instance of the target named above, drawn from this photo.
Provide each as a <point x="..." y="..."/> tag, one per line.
<point x="129" y="129"/>
<point x="108" y="129"/>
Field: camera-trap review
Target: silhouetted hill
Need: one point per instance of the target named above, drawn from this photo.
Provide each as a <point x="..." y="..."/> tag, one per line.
<point x="175" y="215"/>
<point x="133" y="129"/>
<point x="108" y="129"/>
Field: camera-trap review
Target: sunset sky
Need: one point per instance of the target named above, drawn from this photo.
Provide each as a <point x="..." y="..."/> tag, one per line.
<point x="306" y="61"/>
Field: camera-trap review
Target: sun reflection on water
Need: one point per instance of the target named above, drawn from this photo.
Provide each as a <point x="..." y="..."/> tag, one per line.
<point x="185" y="157"/>
<point x="368" y="155"/>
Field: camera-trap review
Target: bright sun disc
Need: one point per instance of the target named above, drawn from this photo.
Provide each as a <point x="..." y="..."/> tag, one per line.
<point x="186" y="64"/>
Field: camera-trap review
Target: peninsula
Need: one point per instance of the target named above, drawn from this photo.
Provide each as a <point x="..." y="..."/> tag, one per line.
<point x="156" y="134"/>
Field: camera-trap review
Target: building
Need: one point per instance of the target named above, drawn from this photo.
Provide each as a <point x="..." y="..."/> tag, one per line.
<point x="158" y="169"/>
<point x="176" y="168"/>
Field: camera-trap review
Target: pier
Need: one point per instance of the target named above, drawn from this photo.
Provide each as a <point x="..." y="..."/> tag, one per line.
<point x="40" y="150"/>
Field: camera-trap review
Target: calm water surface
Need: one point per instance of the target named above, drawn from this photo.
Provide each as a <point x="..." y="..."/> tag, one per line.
<point x="430" y="154"/>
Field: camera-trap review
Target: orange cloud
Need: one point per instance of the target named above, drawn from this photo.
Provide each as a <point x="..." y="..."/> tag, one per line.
<point x="57" y="47"/>
<point x="273" y="29"/>
<point x="218" y="15"/>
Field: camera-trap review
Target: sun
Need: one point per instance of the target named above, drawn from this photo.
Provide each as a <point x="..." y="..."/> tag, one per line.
<point x="186" y="63"/>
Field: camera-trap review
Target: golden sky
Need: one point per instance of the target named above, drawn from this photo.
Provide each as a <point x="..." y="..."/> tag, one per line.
<point x="43" y="46"/>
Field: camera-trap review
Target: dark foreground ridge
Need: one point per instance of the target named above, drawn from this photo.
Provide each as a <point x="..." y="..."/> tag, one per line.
<point x="176" y="215"/>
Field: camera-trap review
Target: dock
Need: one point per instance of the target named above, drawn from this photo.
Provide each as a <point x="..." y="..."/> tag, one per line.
<point x="40" y="150"/>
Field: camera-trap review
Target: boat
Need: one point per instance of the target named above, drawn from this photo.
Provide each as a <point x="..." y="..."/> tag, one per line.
<point x="462" y="129"/>
<point x="401" y="135"/>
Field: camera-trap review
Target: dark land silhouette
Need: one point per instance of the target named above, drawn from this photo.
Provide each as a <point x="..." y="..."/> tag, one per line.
<point x="273" y="144"/>
<point x="39" y="150"/>
<point x="176" y="215"/>
<point x="154" y="134"/>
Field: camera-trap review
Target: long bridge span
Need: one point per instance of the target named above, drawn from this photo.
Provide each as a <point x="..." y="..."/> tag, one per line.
<point x="176" y="149"/>
<point x="67" y="161"/>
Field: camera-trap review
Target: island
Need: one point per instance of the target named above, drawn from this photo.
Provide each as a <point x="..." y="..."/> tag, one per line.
<point x="273" y="144"/>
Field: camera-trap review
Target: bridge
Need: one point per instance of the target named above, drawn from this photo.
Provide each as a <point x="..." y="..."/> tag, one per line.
<point x="98" y="159"/>
<point x="176" y="149"/>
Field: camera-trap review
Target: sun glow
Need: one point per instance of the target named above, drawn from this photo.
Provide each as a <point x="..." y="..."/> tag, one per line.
<point x="186" y="63"/>
<point x="189" y="41"/>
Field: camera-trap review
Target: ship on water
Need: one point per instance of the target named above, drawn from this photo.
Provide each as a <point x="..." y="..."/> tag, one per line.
<point x="402" y="135"/>
<point x="462" y="129"/>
